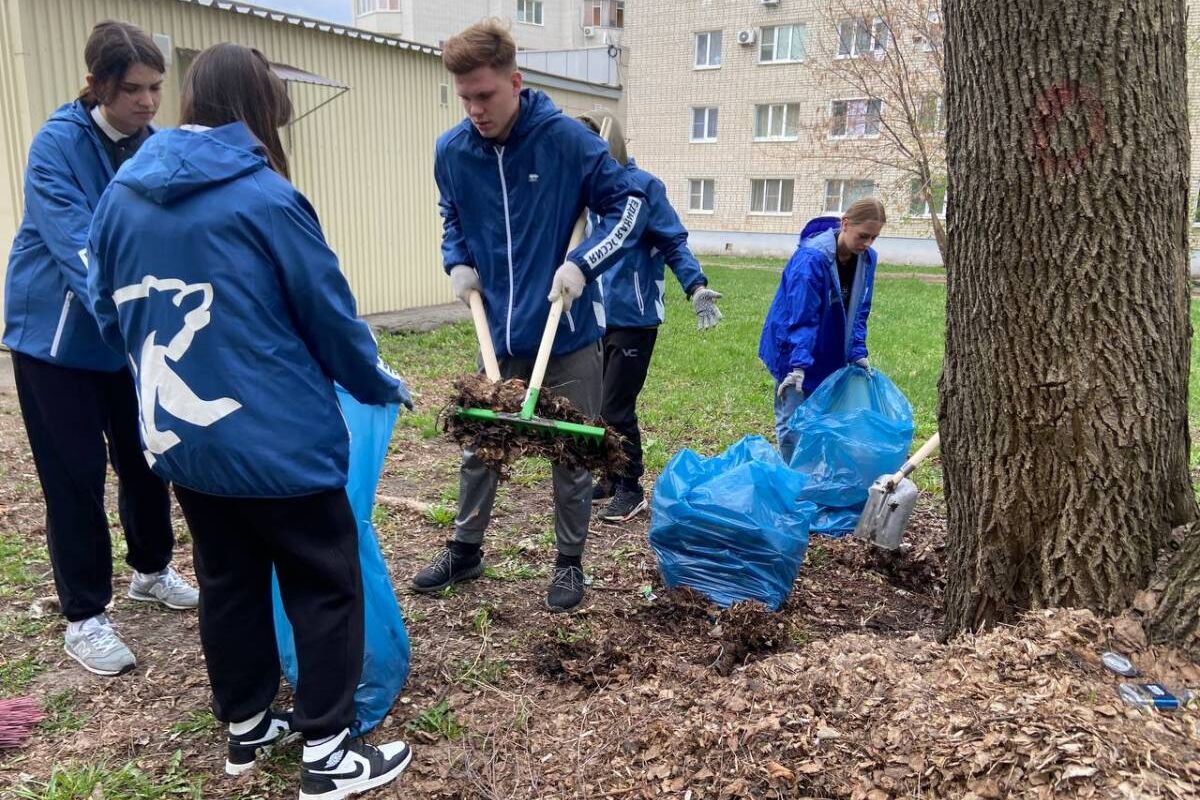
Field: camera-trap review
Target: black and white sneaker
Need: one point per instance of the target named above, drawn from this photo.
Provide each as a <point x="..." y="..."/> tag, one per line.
<point x="601" y="490"/>
<point x="625" y="505"/>
<point x="349" y="767"/>
<point x="274" y="728"/>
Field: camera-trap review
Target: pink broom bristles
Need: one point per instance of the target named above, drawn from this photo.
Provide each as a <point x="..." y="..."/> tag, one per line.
<point x="18" y="715"/>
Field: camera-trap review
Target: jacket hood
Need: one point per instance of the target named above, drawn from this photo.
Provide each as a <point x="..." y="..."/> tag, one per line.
<point x="177" y="163"/>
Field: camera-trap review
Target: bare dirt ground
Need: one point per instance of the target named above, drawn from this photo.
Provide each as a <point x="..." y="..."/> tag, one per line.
<point x="644" y="692"/>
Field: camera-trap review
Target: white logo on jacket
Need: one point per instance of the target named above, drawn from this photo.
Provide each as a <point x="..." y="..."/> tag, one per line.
<point x="157" y="383"/>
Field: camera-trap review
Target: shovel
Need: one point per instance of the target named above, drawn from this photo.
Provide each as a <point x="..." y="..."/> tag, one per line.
<point x="890" y="502"/>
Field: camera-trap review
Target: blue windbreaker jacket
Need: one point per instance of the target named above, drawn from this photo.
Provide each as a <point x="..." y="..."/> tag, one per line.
<point x="508" y="211"/>
<point x="210" y="271"/>
<point x="45" y="294"/>
<point x="635" y="289"/>
<point x="806" y="327"/>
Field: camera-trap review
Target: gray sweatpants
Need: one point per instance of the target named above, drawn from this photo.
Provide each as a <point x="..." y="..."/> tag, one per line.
<point x="578" y="376"/>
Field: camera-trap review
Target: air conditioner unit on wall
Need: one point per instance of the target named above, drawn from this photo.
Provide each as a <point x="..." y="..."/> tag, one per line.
<point x="746" y="36"/>
<point x="588" y="31"/>
<point x="769" y="2"/>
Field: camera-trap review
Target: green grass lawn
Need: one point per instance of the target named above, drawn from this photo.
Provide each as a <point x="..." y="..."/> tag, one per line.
<point x="706" y="391"/>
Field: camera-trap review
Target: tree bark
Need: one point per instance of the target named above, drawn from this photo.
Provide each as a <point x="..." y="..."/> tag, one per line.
<point x="1176" y="618"/>
<point x="1064" y="391"/>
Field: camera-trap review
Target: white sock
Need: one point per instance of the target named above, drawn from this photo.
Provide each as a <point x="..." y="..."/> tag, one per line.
<point x="320" y="749"/>
<point x="242" y="728"/>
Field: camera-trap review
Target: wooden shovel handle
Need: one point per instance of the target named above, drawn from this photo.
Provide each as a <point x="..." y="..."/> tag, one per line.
<point x="915" y="461"/>
<point x="487" y="351"/>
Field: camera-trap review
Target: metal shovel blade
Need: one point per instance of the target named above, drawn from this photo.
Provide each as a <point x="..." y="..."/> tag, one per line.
<point x="886" y="513"/>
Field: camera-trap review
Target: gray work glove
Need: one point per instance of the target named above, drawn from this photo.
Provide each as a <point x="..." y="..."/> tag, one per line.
<point x="464" y="280"/>
<point x="704" y="302"/>
<point x="865" y="364"/>
<point x="568" y="283"/>
<point x="793" y="381"/>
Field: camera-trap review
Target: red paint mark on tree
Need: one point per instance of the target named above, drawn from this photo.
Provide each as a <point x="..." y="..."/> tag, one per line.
<point x="1050" y="107"/>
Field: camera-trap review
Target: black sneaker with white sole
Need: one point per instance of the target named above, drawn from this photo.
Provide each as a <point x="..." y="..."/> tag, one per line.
<point x="274" y="728"/>
<point x="566" y="587"/>
<point x="353" y="767"/>
<point x="625" y="505"/>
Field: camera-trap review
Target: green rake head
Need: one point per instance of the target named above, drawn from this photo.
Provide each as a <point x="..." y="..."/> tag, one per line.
<point x="536" y="425"/>
<point x="526" y="421"/>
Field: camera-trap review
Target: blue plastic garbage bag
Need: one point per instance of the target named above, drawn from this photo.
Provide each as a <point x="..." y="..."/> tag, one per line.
<point x="730" y="526"/>
<point x="854" y="428"/>
<point x="386" y="649"/>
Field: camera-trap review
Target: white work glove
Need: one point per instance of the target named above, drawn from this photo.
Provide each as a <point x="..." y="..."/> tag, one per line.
<point x="704" y="302"/>
<point x="464" y="280"/>
<point x="568" y="284"/>
<point x="793" y="381"/>
<point x="865" y="364"/>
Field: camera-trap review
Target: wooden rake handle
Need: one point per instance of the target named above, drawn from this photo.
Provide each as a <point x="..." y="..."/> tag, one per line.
<point x="487" y="351"/>
<point x="556" y="309"/>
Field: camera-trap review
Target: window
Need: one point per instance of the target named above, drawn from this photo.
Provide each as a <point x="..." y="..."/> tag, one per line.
<point x="855" y="119"/>
<point x="857" y="37"/>
<point x="918" y="207"/>
<point x="700" y="195"/>
<point x="931" y="115"/>
<point x="781" y="44"/>
<point x="771" y="196"/>
<point x="605" y="13"/>
<point x="704" y="124"/>
<point x="841" y="194"/>
<point x="1196" y="216"/>
<point x="930" y="37"/>
<point x="708" y="50"/>
<point x="529" y="11"/>
<point x="371" y="6"/>
<point x="777" y="122"/>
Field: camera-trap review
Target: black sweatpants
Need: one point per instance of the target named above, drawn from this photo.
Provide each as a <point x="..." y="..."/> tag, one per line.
<point x="312" y="541"/>
<point x="627" y="353"/>
<point x="77" y="420"/>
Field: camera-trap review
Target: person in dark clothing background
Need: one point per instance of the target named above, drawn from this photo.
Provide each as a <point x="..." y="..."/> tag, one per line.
<point x="634" y="294"/>
<point x="76" y="394"/>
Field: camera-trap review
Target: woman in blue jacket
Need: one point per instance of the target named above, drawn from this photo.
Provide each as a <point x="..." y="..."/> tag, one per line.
<point x="211" y="274"/>
<point x="817" y="323"/>
<point x="634" y="294"/>
<point x="76" y="394"/>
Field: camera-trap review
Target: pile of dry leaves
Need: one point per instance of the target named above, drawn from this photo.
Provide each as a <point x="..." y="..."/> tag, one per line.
<point x="500" y="445"/>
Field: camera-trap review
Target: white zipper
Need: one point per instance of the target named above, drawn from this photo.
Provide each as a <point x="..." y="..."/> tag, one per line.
<point x="570" y="322"/>
<point x="637" y="287"/>
<point x="62" y="322"/>
<point x="508" y="237"/>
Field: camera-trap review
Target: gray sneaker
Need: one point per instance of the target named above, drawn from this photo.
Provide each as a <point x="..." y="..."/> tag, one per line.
<point x="95" y="645"/>
<point x="164" y="587"/>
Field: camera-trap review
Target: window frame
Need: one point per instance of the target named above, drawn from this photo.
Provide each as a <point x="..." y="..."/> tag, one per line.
<point x="524" y="7"/>
<point x="779" y="212"/>
<point x="693" y="183"/>
<point x="708" y="50"/>
<point x="914" y="188"/>
<point x="868" y="26"/>
<point x="792" y="26"/>
<point x="866" y="117"/>
<point x="712" y="121"/>
<point x="789" y="110"/>
<point x="842" y="204"/>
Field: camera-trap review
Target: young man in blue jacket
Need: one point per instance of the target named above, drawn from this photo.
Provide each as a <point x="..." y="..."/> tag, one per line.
<point x="817" y="322"/>
<point x="76" y="394"/>
<point x="634" y="299"/>
<point x="514" y="177"/>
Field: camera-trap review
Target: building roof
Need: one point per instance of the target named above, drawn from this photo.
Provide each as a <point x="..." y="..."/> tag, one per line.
<point x="286" y="17"/>
<point x="235" y="7"/>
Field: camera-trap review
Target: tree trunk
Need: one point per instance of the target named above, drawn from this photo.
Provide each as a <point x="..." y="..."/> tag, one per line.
<point x="1176" y="618"/>
<point x="1064" y="391"/>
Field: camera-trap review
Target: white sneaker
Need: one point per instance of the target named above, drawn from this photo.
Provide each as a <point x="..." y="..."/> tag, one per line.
<point x="349" y="766"/>
<point x="165" y="587"/>
<point x="96" y="646"/>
